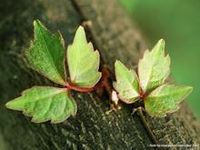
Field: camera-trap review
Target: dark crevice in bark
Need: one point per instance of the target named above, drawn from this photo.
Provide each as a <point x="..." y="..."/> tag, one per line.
<point x="87" y="27"/>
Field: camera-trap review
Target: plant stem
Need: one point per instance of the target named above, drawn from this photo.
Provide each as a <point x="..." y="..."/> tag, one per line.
<point x="71" y="86"/>
<point x="144" y="122"/>
<point x="102" y="84"/>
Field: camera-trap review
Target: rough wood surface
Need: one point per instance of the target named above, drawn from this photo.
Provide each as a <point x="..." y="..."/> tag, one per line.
<point x="116" y="37"/>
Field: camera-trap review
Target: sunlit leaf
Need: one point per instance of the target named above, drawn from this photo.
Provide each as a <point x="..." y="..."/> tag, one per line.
<point x="83" y="61"/>
<point x="126" y="83"/>
<point x="165" y="99"/>
<point x="44" y="104"/>
<point x="154" y="67"/>
<point x="46" y="54"/>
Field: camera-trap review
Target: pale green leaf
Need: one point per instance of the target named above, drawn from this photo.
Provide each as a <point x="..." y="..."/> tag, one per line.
<point x="83" y="61"/>
<point x="46" y="53"/>
<point x="126" y="83"/>
<point x="165" y="99"/>
<point x="154" y="67"/>
<point x="44" y="104"/>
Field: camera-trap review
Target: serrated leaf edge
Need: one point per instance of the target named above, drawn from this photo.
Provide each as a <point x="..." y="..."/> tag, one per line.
<point x="35" y="121"/>
<point x="178" y="103"/>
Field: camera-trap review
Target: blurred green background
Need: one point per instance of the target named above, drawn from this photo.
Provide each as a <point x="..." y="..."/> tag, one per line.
<point x="178" y="22"/>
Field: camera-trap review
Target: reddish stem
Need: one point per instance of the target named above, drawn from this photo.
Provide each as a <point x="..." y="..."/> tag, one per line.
<point x="105" y="80"/>
<point x="71" y="86"/>
<point x="103" y="83"/>
<point x="143" y="94"/>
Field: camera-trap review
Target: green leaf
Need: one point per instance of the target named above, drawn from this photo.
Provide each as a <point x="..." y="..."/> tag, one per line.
<point x="126" y="83"/>
<point x="83" y="61"/>
<point x="44" y="104"/>
<point x="154" y="68"/>
<point x="165" y="99"/>
<point x="46" y="53"/>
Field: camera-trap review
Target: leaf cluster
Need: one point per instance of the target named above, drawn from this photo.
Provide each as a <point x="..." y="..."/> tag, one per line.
<point x="148" y="84"/>
<point x="46" y="55"/>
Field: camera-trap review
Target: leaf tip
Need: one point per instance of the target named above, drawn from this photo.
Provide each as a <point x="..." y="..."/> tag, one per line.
<point x="80" y="28"/>
<point x="37" y="23"/>
<point x="8" y="105"/>
<point x="159" y="47"/>
<point x="80" y="35"/>
<point x="161" y="41"/>
<point x="13" y="104"/>
<point x="117" y="62"/>
<point x="189" y="89"/>
<point x="80" y="31"/>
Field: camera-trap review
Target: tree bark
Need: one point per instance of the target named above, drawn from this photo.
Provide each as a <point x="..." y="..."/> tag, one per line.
<point x="116" y="37"/>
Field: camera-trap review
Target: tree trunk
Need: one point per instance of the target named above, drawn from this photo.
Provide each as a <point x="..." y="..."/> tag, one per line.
<point x="116" y="37"/>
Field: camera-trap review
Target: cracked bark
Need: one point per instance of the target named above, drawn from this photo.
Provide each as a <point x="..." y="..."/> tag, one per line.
<point x="116" y="37"/>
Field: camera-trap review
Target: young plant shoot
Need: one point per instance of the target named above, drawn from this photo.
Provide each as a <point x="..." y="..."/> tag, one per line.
<point x="149" y="84"/>
<point x="46" y="56"/>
